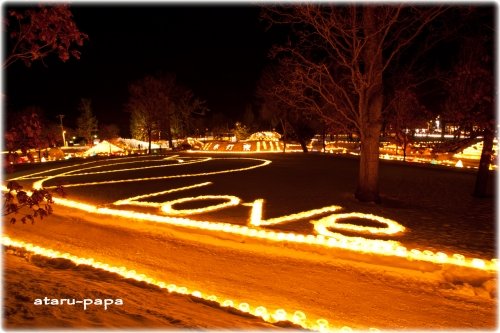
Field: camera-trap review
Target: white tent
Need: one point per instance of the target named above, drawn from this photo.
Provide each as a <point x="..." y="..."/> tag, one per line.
<point x="265" y="136"/>
<point x="137" y="144"/>
<point x="103" y="147"/>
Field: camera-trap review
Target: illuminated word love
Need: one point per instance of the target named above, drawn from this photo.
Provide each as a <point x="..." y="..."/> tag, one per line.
<point x="323" y="225"/>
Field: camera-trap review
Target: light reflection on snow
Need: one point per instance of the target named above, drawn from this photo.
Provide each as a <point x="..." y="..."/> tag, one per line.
<point x="322" y="225"/>
<point x="259" y="311"/>
<point x="324" y="237"/>
<point x="39" y="184"/>
<point x="134" y="201"/>
<point x="329" y="239"/>
<point x="167" y="207"/>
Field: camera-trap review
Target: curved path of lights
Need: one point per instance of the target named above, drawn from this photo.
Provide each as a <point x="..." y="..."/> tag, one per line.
<point x="39" y="184"/>
<point x="297" y="317"/>
<point x="167" y="213"/>
<point x="255" y="228"/>
<point x="123" y="160"/>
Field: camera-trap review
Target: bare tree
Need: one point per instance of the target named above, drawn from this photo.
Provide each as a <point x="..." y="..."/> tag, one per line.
<point x="248" y="118"/>
<point x="288" y="99"/>
<point x="342" y="52"/>
<point x="186" y="106"/>
<point x="86" y="122"/>
<point x="405" y="113"/>
<point x="109" y="131"/>
<point x="159" y="107"/>
<point x="148" y="99"/>
<point x="470" y="100"/>
<point x="25" y="133"/>
<point x="219" y="123"/>
<point x="272" y="109"/>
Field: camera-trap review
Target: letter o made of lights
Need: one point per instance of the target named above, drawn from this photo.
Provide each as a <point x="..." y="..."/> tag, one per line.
<point x="167" y="207"/>
<point x="321" y="226"/>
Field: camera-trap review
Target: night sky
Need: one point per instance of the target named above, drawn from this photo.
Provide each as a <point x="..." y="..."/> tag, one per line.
<point x="217" y="51"/>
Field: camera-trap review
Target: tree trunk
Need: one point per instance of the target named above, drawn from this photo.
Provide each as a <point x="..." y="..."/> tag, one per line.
<point x="443" y="127"/>
<point x="481" y="188"/>
<point x="169" y="135"/>
<point x="170" y="140"/>
<point x="284" y="134"/>
<point x="405" y="144"/>
<point x="303" y="144"/>
<point x="370" y="107"/>
<point x="323" y="139"/>
<point x="367" y="190"/>
<point x="397" y="142"/>
<point x="150" y="135"/>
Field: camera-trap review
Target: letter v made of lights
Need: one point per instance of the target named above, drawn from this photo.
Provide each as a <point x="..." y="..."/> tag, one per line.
<point x="256" y="224"/>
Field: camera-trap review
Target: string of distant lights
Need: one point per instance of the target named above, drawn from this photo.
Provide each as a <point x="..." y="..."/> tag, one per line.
<point x="447" y="163"/>
<point x="257" y="207"/>
<point x="36" y="174"/>
<point x="199" y="160"/>
<point x="39" y="184"/>
<point x="343" y="151"/>
<point x="322" y="225"/>
<point x="324" y="237"/>
<point x="298" y="318"/>
<point x="167" y="207"/>
<point x="134" y="201"/>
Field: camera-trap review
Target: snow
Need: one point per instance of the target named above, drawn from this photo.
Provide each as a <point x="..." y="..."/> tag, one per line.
<point x="348" y="289"/>
<point x="137" y="144"/>
<point x="103" y="147"/>
<point x="473" y="151"/>
<point x="144" y="306"/>
<point x="264" y="136"/>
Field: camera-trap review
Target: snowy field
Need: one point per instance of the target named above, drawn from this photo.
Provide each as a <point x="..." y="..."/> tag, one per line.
<point x="348" y="288"/>
<point x="146" y="307"/>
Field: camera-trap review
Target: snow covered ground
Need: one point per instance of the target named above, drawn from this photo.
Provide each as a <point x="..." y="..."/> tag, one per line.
<point x="28" y="278"/>
<point x="137" y="144"/>
<point x="348" y="289"/>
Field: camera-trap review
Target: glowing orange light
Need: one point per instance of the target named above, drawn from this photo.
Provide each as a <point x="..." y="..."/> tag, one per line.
<point x="260" y="311"/>
<point x="134" y="201"/>
<point x="167" y="207"/>
<point x="244" y="307"/>
<point x="256" y="214"/>
<point x="279" y="315"/>
<point x="324" y="238"/>
<point x="322" y="225"/>
<point x="228" y="303"/>
<point x="299" y="317"/>
<point x="262" y="163"/>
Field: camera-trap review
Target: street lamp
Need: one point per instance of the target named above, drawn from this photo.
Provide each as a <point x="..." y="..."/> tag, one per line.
<point x="64" y="139"/>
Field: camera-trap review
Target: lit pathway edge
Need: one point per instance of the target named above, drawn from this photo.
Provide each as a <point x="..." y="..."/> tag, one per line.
<point x="323" y="238"/>
<point x="358" y="244"/>
<point x="297" y="317"/>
